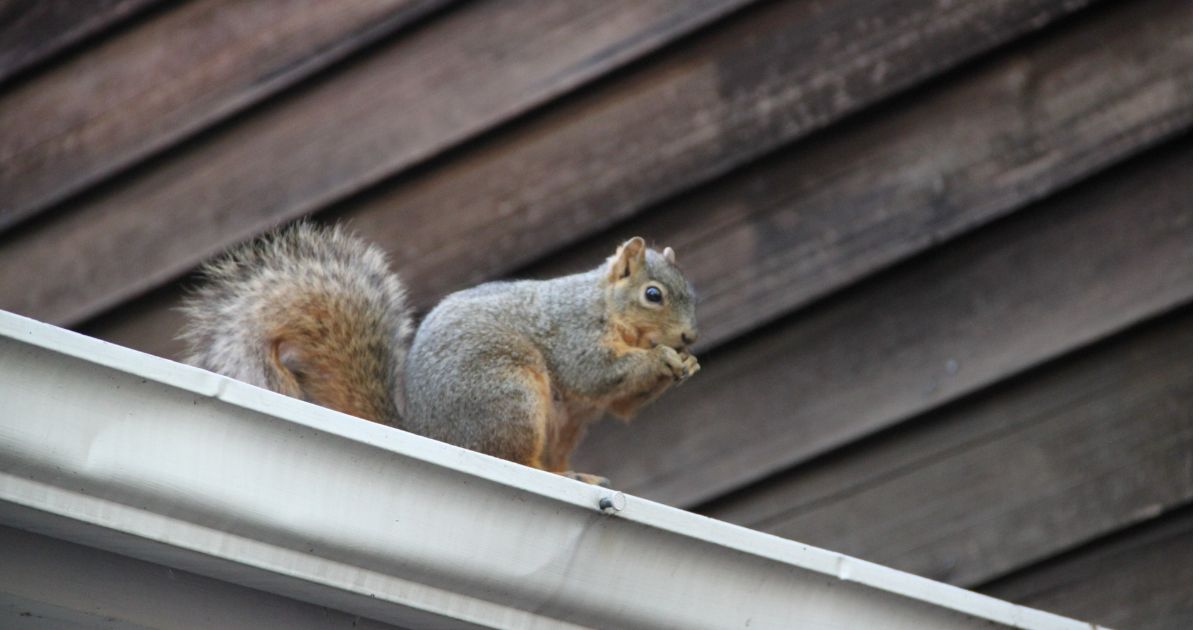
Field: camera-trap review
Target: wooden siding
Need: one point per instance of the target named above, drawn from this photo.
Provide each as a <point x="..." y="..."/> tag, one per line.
<point x="1134" y="579"/>
<point x="943" y="249"/>
<point x="32" y="33"/>
<point x="210" y="59"/>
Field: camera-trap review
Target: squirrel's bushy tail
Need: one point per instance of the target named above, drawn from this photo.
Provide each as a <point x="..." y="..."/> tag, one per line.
<point x="311" y="312"/>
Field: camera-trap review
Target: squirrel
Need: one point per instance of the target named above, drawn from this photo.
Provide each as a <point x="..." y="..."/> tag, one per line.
<point x="514" y="369"/>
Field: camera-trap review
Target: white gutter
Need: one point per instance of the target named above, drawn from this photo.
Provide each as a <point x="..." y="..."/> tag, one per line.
<point x="154" y="460"/>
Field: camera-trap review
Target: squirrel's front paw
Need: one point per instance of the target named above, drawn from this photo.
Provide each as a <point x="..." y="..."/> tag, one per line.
<point x="691" y="365"/>
<point x="681" y="365"/>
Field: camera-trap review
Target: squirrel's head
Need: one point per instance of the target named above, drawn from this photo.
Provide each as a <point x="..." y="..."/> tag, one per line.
<point x="649" y="300"/>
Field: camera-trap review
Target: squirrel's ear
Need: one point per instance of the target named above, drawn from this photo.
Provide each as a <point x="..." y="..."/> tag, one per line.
<point x="669" y="254"/>
<point x="628" y="260"/>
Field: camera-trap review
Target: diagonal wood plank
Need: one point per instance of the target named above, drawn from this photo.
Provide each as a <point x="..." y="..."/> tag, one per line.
<point x="34" y="31"/>
<point x="830" y="211"/>
<point x="1138" y="578"/>
<point x="1050" y="279"/>
<point x="1085" y="447"/>
<point x="462" y="74"/>
<point x="174" y="75"/>
<point x="774" y="75"/>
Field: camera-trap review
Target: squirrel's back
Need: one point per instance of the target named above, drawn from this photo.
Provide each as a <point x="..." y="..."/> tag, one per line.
<point x="311" y="312"/>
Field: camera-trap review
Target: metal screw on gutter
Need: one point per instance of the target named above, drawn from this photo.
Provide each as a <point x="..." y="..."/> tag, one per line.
<point x="612" y="503"/>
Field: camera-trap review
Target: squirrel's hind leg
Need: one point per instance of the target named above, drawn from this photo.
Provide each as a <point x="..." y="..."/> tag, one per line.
<point x="510" y="417"/>
<point x="557" y="430"/>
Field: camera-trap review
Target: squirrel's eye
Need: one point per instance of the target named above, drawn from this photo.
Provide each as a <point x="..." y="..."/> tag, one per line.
<point x="654" y="294"/>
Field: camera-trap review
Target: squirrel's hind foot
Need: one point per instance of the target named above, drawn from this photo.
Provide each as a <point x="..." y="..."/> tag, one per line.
<point x="595" y="480"/>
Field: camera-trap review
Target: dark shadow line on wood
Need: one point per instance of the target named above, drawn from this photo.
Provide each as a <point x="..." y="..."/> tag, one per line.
<point x="905" y="97"/>
<point x="25" y="72"/>
<point x="455" y="151"/>
<point x="1173" y="519"/>
<point x="940" y="414"/>
<point x="446" y="154"/>
<point x="578" y="93"/>
<point x="1175" y="142"/>
<point x="366" y="191"/>
<point x="399" y="25"/>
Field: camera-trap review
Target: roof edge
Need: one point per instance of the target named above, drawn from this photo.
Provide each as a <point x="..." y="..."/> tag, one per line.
<point x="169" y="463"/>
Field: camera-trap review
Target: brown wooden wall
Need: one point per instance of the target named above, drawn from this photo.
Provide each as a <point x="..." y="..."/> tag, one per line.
<point x="943" y="248"/>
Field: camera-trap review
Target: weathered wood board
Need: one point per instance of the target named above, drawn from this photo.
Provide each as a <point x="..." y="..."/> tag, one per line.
<point x="95" y="115"/>
<point x="1082" y="448"/>
<point x="1140" y="578"/>
<point x="829" y="211"/>
<point x="34" y="31"/>
<point x="415" y="98"/>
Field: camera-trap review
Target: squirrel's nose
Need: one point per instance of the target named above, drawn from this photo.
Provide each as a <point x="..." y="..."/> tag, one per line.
<point x="687" y="339"/>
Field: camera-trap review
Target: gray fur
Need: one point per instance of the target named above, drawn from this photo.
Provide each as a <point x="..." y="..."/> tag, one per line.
<point x="460" y="375"/>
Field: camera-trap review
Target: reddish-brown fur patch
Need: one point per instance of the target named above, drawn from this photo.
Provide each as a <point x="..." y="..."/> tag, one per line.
<point x="624" y="408"/>
<point x="624" y="337"/>
<point x="539" y="383"/>
<point x="567" y="429"/>
<point x="321" y="352"/>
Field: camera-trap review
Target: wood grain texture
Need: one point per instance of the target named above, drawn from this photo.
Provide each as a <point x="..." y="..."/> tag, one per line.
<point x="148" y="323"/>
<point x="1055" y="277"/>
<point x="834" y="209"/>
<point x="1060" y="456"/>
<point x="462" y="74"/>
<point x="830" y="211"/>
<point x="1137" y="578"/>
<point x="170" y="77"/>
<point x="34" y="31"/>
<point x="944" y="298"/>
<point x="763" y="79"/>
